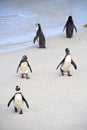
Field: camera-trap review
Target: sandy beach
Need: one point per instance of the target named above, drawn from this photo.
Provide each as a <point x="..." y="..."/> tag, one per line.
<point x="56" y="102"/>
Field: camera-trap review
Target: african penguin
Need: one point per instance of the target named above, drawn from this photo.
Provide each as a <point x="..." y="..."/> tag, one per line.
<point x="39" y="37"/>
<point x="69" y="27"/>
<point x="66" y="63"/>
<point x="18" y="100"/>
<point x="24" y="67"/>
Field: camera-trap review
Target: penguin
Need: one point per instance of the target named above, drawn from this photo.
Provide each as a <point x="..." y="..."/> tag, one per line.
<point x="66" y="63"/>
<point x="24" y="67"/>
<point x="39" y="37"/>
<point x="18" y="100"/>
<point x="69" y="27"/>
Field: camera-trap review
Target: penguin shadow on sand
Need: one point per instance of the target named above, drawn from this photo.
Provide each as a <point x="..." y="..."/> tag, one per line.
<point x="18" y="100"/>
<point x="40" y="37"/>
<point x="24" y="67"/>
<point x="66" y="63"/>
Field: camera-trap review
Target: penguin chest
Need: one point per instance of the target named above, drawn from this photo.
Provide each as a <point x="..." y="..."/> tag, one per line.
<point x="24" y="67"/>
<point x="67" y="64"/>
<point x="18" y="101"/>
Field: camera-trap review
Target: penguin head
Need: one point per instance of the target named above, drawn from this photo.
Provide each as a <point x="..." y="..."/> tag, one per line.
<point x="70" y="18"/>
<point x="17" y="88"/>
<point x="24" y="57"/>
<point x="38" y="26"/>
<point x="67" y="51"/>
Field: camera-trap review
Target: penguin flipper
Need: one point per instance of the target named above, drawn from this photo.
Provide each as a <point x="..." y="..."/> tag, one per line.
<point x="25" y="101"/>
<point x="60" y="63"/>
<point x="10" y="101"/>
<point x="64" y="27"/>
<point x="75" y="28"/>
<point x="29" y="67"/>
<point x="19" y="66"/>
<point x="35" y="38"/>
<point x="74" y="64"/>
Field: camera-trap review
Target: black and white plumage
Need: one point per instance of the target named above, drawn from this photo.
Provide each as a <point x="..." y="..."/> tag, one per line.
<point x="39" y="37"/>
<point x="69" y="27"/>
<point x="24" y="67"/>
<point x="66" y="63"/>
<point x="18" y="100"/>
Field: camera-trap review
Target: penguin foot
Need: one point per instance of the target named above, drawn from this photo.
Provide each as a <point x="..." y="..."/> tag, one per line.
<point x="69" y="75"/>
<point x="62" y="72"/>
<point x="22" y="76"/>
<point x="41" y="47"/>
<point x="15" y="109"/>
<point x="21" y="112"/>
<point x="27" y="77"/>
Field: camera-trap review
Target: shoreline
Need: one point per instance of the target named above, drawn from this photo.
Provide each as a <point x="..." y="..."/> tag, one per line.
<point x="28" y="43"/>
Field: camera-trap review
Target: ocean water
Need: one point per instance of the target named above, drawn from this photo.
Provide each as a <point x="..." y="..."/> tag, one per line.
<point x="18" y="19"/>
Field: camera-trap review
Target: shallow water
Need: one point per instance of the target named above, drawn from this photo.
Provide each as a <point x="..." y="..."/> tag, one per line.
<point x="18" y="19"/>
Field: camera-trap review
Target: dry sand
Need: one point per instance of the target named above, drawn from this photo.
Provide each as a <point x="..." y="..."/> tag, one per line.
<point x="56" y="102"/>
